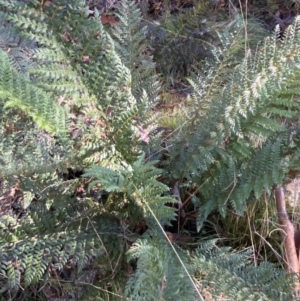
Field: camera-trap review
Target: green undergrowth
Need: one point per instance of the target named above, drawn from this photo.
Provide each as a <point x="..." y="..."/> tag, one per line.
<point x="138" y="154"/>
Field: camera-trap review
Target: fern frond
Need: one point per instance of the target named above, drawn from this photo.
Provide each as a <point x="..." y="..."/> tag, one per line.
<point x="238" y="127"/>
<point x="18" y="92"/>
<point x="159" y="275"/>
<point x="31" y="255"/>
<point x="137" y="184"/>
<point x="233" y="275"/>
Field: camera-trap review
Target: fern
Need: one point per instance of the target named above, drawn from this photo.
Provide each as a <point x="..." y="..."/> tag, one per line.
<point x="233" y="275"/>
<point x="138" y="185"/>
<point x="184" y="39"/>
<point x="134" y="54"/>
<point x="180" y="40"/>
<point x="32" y="252"/>
<point x="234" y="131"/>
<point x="88" y="96"/>
<point x="77" y="57"/>
<point x="18" y="93"/>
<point x="159" y="275"/>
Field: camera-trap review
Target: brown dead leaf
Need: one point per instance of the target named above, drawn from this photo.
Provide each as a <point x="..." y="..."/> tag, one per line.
<point x="108" y="19"/>
<point x="68" y="37"/>
<point x="144" y="135"/>
<point x="85" y="58"/>
<point x="179" y="238"/>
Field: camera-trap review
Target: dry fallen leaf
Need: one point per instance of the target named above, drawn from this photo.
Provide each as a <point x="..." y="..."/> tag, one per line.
<point x="108" y="19"/>
<point x="144" y="135"/>
<point x="179" y="238"/>
<point x="85" y="58"/>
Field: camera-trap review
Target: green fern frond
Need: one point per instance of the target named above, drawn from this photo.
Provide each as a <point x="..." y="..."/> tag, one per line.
<point x="138" y="185"/>
<point x="134" y="54"/>
<point x="31" y="255"/>
<point x="17" y="92"/>
<point x="233" y="275"/>
<point x="237" y="128"/>
<point x="159" y="274"/>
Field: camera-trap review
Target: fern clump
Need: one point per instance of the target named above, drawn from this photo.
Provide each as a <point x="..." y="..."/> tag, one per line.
<point x="85" y="82"/>
<point x="80" y="196"/>
<point x="236" y="135"/>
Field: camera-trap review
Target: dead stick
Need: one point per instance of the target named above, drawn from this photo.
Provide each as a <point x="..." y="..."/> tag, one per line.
<point x="288" y="230"/>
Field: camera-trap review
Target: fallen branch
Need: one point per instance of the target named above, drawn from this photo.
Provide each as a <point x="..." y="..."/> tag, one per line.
<point x="288" y="233"/>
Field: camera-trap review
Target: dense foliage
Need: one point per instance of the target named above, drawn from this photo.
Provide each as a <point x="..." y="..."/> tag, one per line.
<point x="95" y="192"/>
